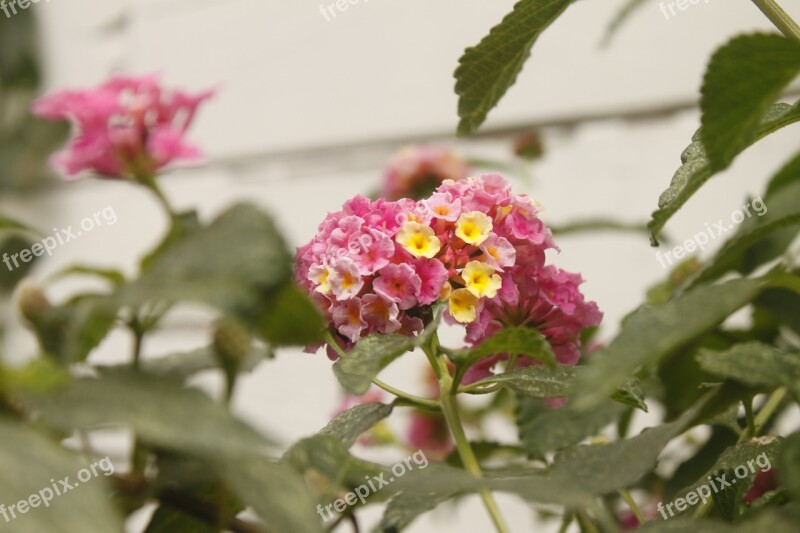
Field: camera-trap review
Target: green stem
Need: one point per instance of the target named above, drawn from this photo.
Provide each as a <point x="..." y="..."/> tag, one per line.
<point x="779" y="18"/>
<point x="417" y="400"/>
<point x="150" y="183"/>
<point x="449" y="389"/>
<point x="634" y="507"/>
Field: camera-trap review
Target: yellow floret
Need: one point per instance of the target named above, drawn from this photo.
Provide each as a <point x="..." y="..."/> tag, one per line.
<point x="473" y="228"/>
<point x="481" y="279"/>
<point x="463" y="306"/>
<point x="418" y="240"/>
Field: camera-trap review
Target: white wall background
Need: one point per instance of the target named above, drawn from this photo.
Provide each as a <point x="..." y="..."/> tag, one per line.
<point x="308" y="110"/>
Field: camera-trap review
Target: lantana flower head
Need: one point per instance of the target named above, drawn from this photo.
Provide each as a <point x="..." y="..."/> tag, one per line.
<point x="377" y="266"/>
<point x="415" y="171"/>
<point x="127" y="127"/>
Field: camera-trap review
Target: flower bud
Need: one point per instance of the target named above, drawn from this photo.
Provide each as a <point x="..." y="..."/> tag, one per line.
<point x="528" y="146"/>
<point x="33" y="303"/>
<point x="232" y="342"/>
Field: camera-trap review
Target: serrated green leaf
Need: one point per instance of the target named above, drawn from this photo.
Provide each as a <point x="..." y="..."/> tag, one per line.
<point x="348" y="426"/>
<point x="368" y="357"/>
<point x="696" y="169"/>
<point x="653" y="332"/>
<point x="486" y="71"/>
<point x="558" y="382"/>
<point x="605" y="468"/>
<point x="516" y="340"/>
<point x="755" y="364"/>
<point x="543" y="429"/>
<point x="28" y="460"/>
<point x="743" y="79"/>
<point x="744" y="456"/>
<point x="161" y="412"/>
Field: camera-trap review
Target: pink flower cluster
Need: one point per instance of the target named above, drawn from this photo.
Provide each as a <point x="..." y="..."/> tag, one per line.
<point x="127" y="127"/>
<point x="415" y="171"/>
<point x="376" y="267"/>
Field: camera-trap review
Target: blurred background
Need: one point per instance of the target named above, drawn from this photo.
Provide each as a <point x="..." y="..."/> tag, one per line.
<point x="309" y="108"/>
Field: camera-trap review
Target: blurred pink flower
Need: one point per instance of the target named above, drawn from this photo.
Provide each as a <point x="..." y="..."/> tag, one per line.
<point x="128" y="127"/>
<point x="415" y="171"/>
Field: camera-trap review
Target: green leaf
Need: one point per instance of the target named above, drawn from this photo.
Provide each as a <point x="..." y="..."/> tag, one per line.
<point x="696" y="169"/>
<point x="326" y="462"/>
<point x="168" y="520"/>
<point x="70" y="332"/>
<point x="653" y="332"/>
<point x="605" y="468"/>
<point x="348" y="426"/>
<point x="161" y="412"/>
<point x="232" y="264"/>
<point x="782" y="217"/>
<point x="368" y="357"/>
<point x="788" y="466"/>
<point x="8" y="224"/>
<point x="28" y="460"/>
<point x="516" y="340"/>
<point x="743" y="79"/>
<point x="543" y="429"/>
<point x="558" y="382"/>
<point x="486" y="71"/>
<point x="276" y="492"/>
<point x="113" y="276"/>
<point x="290" y="319"/>
<point x="755" y="364"/>
<point x="775" y="520"/>
<point x="748" y="457"/>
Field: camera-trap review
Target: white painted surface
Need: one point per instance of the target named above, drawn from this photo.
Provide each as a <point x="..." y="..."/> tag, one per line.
<point x="289" y="80"/>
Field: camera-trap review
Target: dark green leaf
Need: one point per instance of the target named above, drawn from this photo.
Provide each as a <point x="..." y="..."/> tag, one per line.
<point x="743" y="79"/>
<point x="605" y="468"/>
<point x="368" y="357"/>
<point x="558" y="382"/>
<point x="543" y="429"/>
<point x="653" y="332"/>
<point x="789" y="464"/>
<point x="168" y="520"/>
<point x="697" y="170"/>
<point x="290" y="319"/>
<point x="486" y="71"/>
<point x="516" y="340"/>
<point x="755" y="364"/>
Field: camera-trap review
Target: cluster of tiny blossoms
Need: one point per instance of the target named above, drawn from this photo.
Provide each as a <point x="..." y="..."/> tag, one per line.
<point x="125" y="128"/>
<point x="376" y="267"/>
